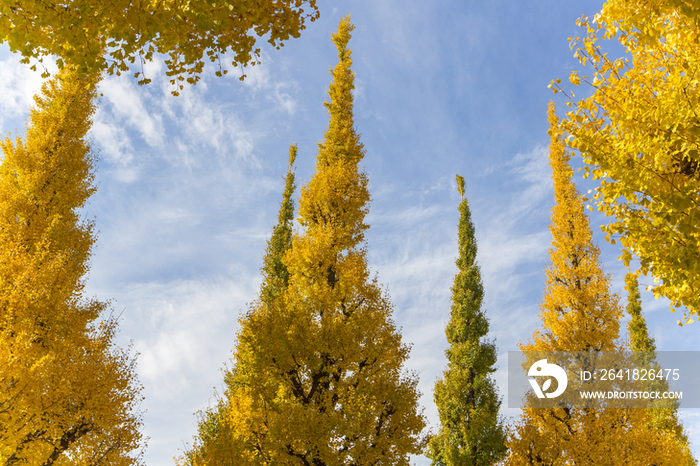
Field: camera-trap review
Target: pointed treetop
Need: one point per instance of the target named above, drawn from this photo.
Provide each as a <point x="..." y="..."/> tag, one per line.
<point x="342" y="37"/>
<point x="341" y="142"/>
<point x="338" y="180"/>
<point x="579" y="311"/>
<point x="637" y="331"/>
<point x="460" y="185"/>
<point x="292" y="156"/>
<point x="559" y="158"/>
<point x="275" y="273"/>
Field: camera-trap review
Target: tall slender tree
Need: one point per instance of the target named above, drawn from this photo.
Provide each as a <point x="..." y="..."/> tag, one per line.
<point x="471" y="432"/>
<point x="580" y="313"/>
<point x="318" y="376"/>
<point x="639" y="339"/>
<point x="274" y="270"/>
<point x="216" y="442"/>
<point x="68" y="395"/>
<point x="664" y="415"/>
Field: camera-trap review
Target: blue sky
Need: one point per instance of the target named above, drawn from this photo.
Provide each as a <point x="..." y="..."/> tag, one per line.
<point x="189" y="186"/>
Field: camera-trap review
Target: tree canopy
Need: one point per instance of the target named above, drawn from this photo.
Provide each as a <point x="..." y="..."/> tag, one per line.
<point x="107" y="36"/>
<point x="638" y="134"/>
<point x="318" y="377"/>
<point x="471" y="431"/>
<point x="68" y="395"/>
<point x="580" y="313"/>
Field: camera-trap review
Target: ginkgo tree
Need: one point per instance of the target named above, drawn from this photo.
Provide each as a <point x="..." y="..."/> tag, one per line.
<point x="664" y="416"/>
<point x="639" y="134"/>
<point x="318" y="375"/>
<point x="108" y="36"/>
<point x="581" y="314"/>
<point x="68" y="395"/>
<point x="217" y="442"/>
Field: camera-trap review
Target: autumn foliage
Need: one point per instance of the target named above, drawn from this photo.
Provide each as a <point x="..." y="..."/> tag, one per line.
<point x="318" y="376"/>
<point x="99" y="36"/>
<point x="68" y="395"/>
<point x="638" y="133"/>
<point x="579" y="313"/>
<point x="217" y="440"/>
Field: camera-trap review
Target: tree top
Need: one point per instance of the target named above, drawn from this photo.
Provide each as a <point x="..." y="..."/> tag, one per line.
<point x="342" y="37"/>
<point x="460" y="185"/>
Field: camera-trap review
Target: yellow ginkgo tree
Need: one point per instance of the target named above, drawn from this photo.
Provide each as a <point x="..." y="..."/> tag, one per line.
<point x="581" y="314"/>
<point x="68" y="395"/>
<point x="217" y="441"/>
<point x="318" y="377"/>
<point x="639" y="134"/>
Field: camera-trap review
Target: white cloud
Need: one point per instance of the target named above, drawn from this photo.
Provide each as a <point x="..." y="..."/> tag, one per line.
<point x="18" y="85"/>
<point x="258" y="76"/>
<point x="260" y="81"/>
<point x="532" y="170"/>
<point x="184" y="331"/>
<point x="128" y="107"/>
<point x="204" y="123"/>
<point x="114" y="142"/>
<point x="284" y="101"/>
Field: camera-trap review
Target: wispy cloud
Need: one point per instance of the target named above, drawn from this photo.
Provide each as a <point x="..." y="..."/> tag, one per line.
<point x="128" y="107"/>
<point x="18" y="85"/>
<point x="414" y="248"/>
<point x="187" y="329"/>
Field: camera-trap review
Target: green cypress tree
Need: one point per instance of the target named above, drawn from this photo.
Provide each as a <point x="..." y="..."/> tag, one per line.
<point x="639" y="339"/>
<point x="274" y="271"/>
<point x="471" y="431"/>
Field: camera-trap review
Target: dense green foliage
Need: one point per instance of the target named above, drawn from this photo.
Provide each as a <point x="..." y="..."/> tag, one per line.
<point x="471" y="432"/>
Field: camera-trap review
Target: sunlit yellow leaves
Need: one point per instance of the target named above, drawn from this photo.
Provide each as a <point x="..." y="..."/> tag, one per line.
<point x="317" y="373"/>
<point x="577" y="291"/>
<point x="67" y="394"/>
<point x="579" y="313"/>
<point x="79" y="31"/>
<point x="639" y="129"/>
<point x="574" y="79"/>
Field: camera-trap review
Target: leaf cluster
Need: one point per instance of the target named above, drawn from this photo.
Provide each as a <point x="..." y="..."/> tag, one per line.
<point x="638" y="134"/>
<point x="97" y="36"/>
